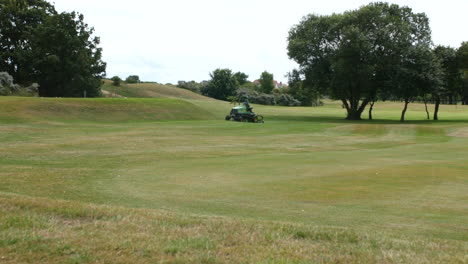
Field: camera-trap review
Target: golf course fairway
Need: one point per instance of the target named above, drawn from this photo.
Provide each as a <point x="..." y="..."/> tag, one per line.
<point x="167" y="180"/>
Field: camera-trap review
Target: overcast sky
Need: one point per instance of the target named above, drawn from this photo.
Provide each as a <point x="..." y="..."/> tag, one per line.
<point x="170" y="40"/>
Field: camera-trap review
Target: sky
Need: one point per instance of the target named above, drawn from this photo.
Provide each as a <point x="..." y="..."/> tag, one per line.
<point x="170" y="40"/>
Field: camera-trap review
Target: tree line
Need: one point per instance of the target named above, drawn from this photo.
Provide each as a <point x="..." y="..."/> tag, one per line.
<point x="380" y="51"/>
<point x="224" y="84"/>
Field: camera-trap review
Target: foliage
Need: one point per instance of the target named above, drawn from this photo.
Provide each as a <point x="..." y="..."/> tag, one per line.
<point x="18" y="21"/>
<point x="116" y="81"/>
<point x="55" y="50"/>
<point x="257" y="97"/>
<point x="133" y="79"/>
<point x="251" y="86"/>
<point x="266" y="82"/>
<point x="193" y="86"/>
<point x="297" y="89"/>
<point x="351" y="56"/>
<point x="8" y="87"/>
<point x="462" y="55"/>
<point x="223" y="84"/>
<point x="241" y="78"/>
<point x="451" y="78"/>
<point x="462" y="61"/>
<point x="6" y="84"/>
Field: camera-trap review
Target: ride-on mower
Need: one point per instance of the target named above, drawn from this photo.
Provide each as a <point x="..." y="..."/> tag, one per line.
<point x="243" y="113"/>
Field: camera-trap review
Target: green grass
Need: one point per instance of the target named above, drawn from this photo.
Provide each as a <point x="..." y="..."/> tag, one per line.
<point x="168" y="181"/>
<point x="24" y="109"/>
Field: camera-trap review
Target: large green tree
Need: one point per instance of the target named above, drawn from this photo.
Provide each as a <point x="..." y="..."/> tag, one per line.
<point x="462" y="61"/>
<point x="58" y="51"/>
<point x="350" y="56"/>
<point x="18" y="20"/>
<point x="223" y="84"/>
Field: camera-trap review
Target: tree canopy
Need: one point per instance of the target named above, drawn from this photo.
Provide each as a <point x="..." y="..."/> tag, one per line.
<point x="241" y="77"/>
<point x="133" y="79"/>
<point x="356" y="55"/>
<point x="223" y="84"/>
<point x="56" y="50"/>
<point x="266" y="82"/>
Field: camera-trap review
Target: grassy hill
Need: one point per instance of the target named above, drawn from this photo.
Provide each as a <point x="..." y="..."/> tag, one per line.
<point x="149" y="90"/>
<point x="14" y="109"/>
<point x="161" y="180"/>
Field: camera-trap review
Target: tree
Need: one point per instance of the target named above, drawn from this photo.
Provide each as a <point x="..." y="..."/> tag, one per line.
<point x="55" y="50"/>
<point x="116" y="80"/>
<point x="297" y="88"/>
<point x="462" y="62"/>
<point x="18" y="20"/>
<point x="241" y="78"/>
<point x="133" y="79"/>
<point x="266" y="82"/>
<point x="417" y="73"/>
<point x="451" y="78"/>
<point x="71" y="64"/>
<point x="223" y="84"/>
<point x="349" y="56"/>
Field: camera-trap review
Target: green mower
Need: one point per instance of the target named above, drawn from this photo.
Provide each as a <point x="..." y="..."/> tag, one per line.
<point x="243" y="113"/>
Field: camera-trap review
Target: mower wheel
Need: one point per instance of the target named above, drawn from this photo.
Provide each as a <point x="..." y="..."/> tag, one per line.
<point x="228" y="117"/>
<point x="258" y="119"/>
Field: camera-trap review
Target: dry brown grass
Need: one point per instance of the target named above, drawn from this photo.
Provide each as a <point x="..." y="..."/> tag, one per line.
<point x="53" y="231"/>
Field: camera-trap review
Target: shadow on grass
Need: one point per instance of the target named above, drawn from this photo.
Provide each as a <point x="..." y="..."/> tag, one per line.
<point x="342" y="120"/>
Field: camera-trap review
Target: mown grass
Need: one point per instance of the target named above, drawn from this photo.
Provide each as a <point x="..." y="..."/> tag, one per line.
<point x="115" y="181"/>
<point x="149" y="90"/>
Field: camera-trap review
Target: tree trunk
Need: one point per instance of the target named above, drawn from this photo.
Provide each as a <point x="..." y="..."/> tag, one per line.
<point x="402" y="119"/>
<point x="436" y="110"/>
<point x="427" y="111"/>
<point x="354" y="109"/>
<point x="465" y="100"/>
<point x="370" y="109"/>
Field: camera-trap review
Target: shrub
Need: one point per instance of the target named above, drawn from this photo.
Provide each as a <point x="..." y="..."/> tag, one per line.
<point x="116" y="80"/>
<point x="266" y="99"/>
<point x="7" y="87"/>
<point x="191" y="86"/>
<point x="287" y="100"/>
<point x="6" y="84"/>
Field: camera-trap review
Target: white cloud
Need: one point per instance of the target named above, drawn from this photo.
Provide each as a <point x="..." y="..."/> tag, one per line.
<point x="167" y="41"/>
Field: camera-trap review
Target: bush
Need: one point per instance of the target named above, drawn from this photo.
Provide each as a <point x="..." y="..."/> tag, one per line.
<point x="116" y="80"/>
<point x="6" y="84"/>
<point x="191" y="86"/>
<point x="266" y="99"/>
<point x="7" y="87"/>
<point x="287" y="100"/>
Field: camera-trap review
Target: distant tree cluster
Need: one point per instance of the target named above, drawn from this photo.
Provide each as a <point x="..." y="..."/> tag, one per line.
<point x="55" y="50"/>
<point x="193" y="86"/>
<point x="227" y="85"/>
<point x="133" y="79"/>
<point x="379" y="51"/>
